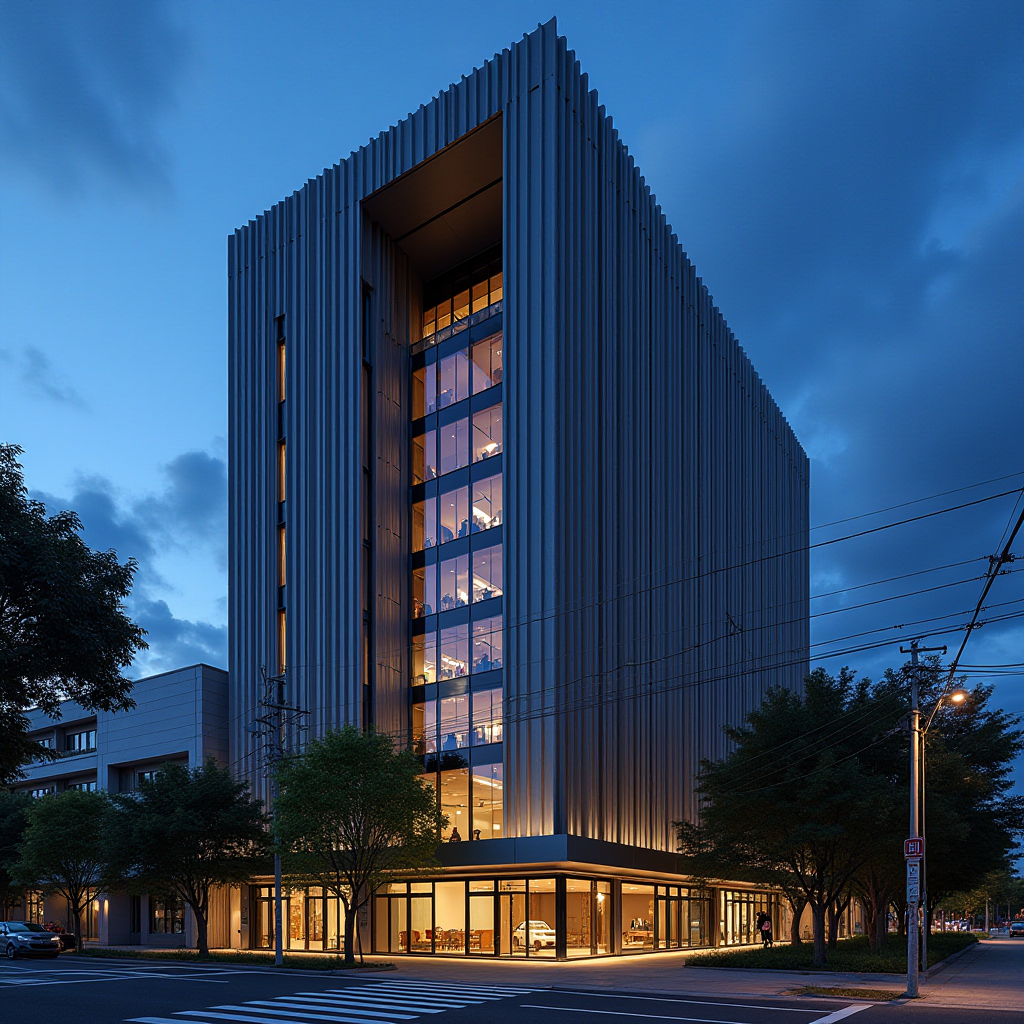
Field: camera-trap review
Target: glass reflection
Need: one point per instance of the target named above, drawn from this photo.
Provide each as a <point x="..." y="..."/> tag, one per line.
<point x="487" y="503"/>
<point x="487" y="433"/>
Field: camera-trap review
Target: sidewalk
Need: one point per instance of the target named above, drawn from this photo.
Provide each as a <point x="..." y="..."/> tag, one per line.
<point x="989" y="976"/>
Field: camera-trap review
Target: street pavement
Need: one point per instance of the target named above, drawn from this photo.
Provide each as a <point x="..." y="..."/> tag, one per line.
<point x="985" y="985"/>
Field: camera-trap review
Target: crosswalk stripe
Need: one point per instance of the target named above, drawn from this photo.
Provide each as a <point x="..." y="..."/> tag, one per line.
<point x="368" y="1009"/>
<point x="262" y="1020"/>
<point x="445" y="986"/>
<point x="410" y="1000"/>
<point x="318" y="1013"/>
<point x="387" y="1003"/>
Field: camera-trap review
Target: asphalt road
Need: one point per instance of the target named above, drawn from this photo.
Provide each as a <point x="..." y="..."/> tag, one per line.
<point x="100" y="992"/>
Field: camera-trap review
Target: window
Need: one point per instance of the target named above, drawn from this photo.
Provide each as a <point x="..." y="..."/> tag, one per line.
<point x="637" y="916"/>
<point x="282" y="561"/>
<point x="487" y="363"/>
<point x="454" y="652"/>
<point x="166" y="916"/>
<point x="487" y="576"/>
<point x="424" y="524"/>
<point x="46" y="741"/>
<point x="282" y="640"/>
<point x="486" y="716"/>
<point x="454" y="791"/>
<point x="487" y="644"/>
<point x="454" y="514"/>
<point x="424" y="659"/>
<point x="149" y="776"/>
<point x="83" y="787"/>
<point x="454" y="583"/>
<point x="424" y="391"/>
<point x="487" y="433"/>
<point x="34" y="907"/>
<point x="487" y="503"/>
<point x="424" y="457"/>
<point x="80" y="742"/>
<point x="454" y="722"/>
<point x="470" y="294"/>
<point x="43" y="791"/>
<point x="454" y="446"/>
<point x="454" y="378"/>
<point x="424" y="591"/>
<point x="487" y="802"/>
<point x="282" y="481"/>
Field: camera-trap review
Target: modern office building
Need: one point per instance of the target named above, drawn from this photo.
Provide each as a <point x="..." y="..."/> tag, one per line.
<point x="180" y="717"/>
<point x="504" y="485"/>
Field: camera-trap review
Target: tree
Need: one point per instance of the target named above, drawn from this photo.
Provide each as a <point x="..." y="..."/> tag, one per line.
<point x="13" y="821"/>
<point x="350" y="811"/>
<point x="185" y="831"/>
<point x="792" y="802"/>
<point x="63" y="630"/>
<point x="62" y="850"/>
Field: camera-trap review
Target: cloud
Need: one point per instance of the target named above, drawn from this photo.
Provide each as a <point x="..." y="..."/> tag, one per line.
<point x="83" y="87"/>
<point x="41" y="378"/>
<point x="174" y="642"/>
<point x="189" y="514"/>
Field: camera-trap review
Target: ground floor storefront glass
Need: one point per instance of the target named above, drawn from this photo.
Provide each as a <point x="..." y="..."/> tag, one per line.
<point x="738" y="913"/>
<point x="312" y="919"/>
<point x="539" y="918"/>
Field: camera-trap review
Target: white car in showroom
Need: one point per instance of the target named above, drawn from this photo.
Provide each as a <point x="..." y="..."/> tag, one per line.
<point x="541" y="935"/>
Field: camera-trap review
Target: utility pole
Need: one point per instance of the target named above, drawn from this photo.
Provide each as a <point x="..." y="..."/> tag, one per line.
<point x="914" y="864"/>
<point x="270" y="726"/>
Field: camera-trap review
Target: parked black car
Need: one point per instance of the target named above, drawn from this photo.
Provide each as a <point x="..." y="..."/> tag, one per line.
<point x="21" y="938"/>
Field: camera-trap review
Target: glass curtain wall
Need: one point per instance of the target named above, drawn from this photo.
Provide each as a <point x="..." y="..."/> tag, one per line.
<point x="738" y="911"/>
<point x="457" y="570"/>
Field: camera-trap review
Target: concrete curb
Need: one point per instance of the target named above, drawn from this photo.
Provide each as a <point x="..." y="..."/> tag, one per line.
<point x="226" y="964"/>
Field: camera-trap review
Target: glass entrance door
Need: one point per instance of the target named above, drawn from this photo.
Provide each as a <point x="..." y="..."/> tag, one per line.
<point x="512" y="939"/>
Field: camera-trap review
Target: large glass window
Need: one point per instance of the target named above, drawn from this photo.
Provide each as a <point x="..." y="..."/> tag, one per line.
<point x="424" y="390"/>
<point x="166" y="916"/>
<point x="487" y="575"/>
<point x="424" y="727"/>
<point x="424" y="457"/>
<point x="455" y="722"/>
<point x="454" y="379"/>
<point x="424" y="591"/>
<point x="486" y="716"/>
<point x="454" y="652"/>
<point x="454" y="583"/>
<point x="454" y="514"/>
<point x="487" y="801"/>
<point x="424" y="524"/>
<point x="454" y="446"/>
<point x="481" y="917"/>
<point x="487" y="433"/>
<point x="487" y="363"/>
<point x="637" y="917"/>
<point x="454" y="791"/>
<point x="449" y="917"/>
<point x="487" y="644"/>
<point x="487" y="503"/>
<point x="424" y="659"/>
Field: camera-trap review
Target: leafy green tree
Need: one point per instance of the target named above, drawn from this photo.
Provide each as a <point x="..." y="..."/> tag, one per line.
<point x="792" y="803"/>
<point x="351" y="811"/>
<point x="13" y="821"/>
<point x="186" y="831"/>
<point x="63" y="630"/>
<point x="62" y="851"/>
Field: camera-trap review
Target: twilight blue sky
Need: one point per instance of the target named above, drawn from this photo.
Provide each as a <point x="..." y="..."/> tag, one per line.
<point x="847" y="177"/>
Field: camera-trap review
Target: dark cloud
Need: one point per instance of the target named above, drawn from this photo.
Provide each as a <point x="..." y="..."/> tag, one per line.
<point x="174" y="642"/>
<point x="190" y="513"/>
<point x="41" y="378"/>
<point x="82" y="89"/>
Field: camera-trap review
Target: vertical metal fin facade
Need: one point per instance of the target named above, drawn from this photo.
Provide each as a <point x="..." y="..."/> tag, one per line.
<point x="656" y="509"/>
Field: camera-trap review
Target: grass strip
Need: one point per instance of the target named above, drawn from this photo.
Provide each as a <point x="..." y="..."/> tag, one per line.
<point x="853" y="955"/>
<point x="304" y="961"/>
<point x="878" y="995"/>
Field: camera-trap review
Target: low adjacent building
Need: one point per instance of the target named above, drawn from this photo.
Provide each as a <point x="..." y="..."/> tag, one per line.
<point x="180" y="717"/>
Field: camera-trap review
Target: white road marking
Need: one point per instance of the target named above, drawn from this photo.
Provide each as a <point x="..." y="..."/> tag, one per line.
<point x="378" y="1009"/>
<point x="847" y="1011"/>
<point x="693" y="1002"/>
<point x="624" y="1013"/>
<point x="264" y="1020"/>
<point x="324" y="1015"/>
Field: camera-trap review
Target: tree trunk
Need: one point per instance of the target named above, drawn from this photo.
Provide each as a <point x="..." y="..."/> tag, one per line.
<point x="202" y="930"/>
<point x="794" y="928"/>
<point x="818" y="911"/>
<point x="350" y="927"/>
<point x="881" y="926"/>
<point x="836" y="910"/>
<point x="76" y="913"/>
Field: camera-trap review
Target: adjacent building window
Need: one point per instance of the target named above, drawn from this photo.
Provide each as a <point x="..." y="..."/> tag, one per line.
<point x="83" y="787"/>
<point x="166" y="916"/>
<point x="80" y="742"/>
<point x="465" y="295"/>
<point x="42" y="791"/>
